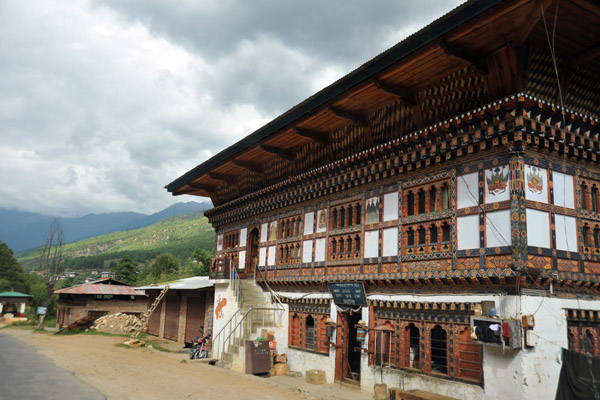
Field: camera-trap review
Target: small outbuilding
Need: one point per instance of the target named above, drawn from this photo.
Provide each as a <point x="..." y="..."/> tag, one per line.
<point x="12" y="306"/>
<point x="98" y="298"/>
<point x="185" y="310"/>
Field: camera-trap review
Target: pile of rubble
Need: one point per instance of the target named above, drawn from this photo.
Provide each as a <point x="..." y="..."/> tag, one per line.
<point x="118" y="323"/>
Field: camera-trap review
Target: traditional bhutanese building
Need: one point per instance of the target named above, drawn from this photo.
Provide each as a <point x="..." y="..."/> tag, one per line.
<point x="445" y="193"/>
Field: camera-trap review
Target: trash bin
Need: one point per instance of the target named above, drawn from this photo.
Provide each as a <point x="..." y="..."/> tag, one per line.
<point x="257" y="357"/>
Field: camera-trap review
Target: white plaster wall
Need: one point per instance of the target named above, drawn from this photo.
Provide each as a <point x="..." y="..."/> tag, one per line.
<point x="223" y="291"/>
<point x="301" y="361"/>
<point x="530" y="373"/>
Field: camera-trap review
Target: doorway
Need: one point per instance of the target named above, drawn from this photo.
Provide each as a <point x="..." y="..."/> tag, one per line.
<point x="252" y="256"/>
<point x="348" y="354"/>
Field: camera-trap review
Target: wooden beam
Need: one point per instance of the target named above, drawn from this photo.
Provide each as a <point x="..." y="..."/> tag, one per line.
<point x="477" y="60"/>
<point x="586" y="55"/>
<point x="312" y="135"/>
<point x="319" y="137"/>
<point x="204" y="187"/>
<point x="231" y="179"/>
<point x="283" y="153"/>
<point x="354" y="118"/>
<point x="406" y="95"/>
<point x="533" y="17"/>
<point x="589" y="6"/>
<point x="253" y="167"/>
<point x="250" y="166"/>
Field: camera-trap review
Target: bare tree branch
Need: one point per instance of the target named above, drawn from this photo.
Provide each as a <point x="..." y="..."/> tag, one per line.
<point x="51" y="262"/>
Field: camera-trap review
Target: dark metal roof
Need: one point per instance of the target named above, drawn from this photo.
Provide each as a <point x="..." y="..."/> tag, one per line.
<point x="433" y="31"/>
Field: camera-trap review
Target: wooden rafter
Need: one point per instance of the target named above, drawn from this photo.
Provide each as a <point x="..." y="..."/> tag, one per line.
<point x="283" y="153"/>
<point x="250" y="166"/>
<point x="406" y="95"/>
<point x="201" y="186"/>
<point x="477" y="60"/>
<point x="230" y="179"/>
<point x="533" y="17"/>
<point x="253" y="167"/>
<point x="355" y="119"/>
<point x="350" y="116"/>
<point x="312" y="135"/>
<point x="586" y="55"/>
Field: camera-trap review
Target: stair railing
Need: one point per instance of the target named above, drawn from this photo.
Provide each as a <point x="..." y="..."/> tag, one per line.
<point x="234" y="278"/>
<point x="241" y="324"/>
<point x="280" y="309"/>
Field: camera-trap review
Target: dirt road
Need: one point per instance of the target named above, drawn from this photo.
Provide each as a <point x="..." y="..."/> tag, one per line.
<point x="141" y="373"/>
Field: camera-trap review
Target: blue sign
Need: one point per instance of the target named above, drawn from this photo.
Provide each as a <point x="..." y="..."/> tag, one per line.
<point x="41" y="310"/>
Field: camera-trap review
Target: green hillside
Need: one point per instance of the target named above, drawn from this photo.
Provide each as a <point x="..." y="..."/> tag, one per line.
<point x="179" y="236"/>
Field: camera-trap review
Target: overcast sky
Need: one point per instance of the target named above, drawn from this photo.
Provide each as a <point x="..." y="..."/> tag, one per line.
<point x="103" y="103"/>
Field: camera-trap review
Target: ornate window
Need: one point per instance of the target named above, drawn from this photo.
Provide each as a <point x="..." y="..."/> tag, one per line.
<point x="441" y="348"/>
<point x="308" y="331"/>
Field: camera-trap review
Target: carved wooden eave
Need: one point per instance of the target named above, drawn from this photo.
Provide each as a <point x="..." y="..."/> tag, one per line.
<point x="480" y="52"/>
<point x="519" y="118"/>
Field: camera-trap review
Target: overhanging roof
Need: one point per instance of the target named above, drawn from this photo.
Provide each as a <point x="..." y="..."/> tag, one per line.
<point x="416" y="41"/>
<point x="102" y="287"/>
<point x="193" y="283"/>
<point x="473" y="35"/>
<point x="13" y="294"/>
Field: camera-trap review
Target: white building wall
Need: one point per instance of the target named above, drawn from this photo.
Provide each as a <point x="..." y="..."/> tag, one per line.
<point x="224" y="308"/>
<point x="530" y="373"/>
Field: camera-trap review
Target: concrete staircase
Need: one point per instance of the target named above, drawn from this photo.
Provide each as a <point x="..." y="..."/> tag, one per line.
<point x="261" y="316"/>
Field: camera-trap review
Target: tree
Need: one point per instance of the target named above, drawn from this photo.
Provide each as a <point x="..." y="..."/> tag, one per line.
<point x="50" y="262"/>
<point x="203" y="257"/>
<point x="11" y="273"/>
<point x="126" y="270"/>
<point x="165" y="263"/>
<point x="66" y="283"/>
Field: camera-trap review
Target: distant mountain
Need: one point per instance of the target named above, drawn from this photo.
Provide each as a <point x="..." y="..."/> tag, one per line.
<point x="24" y="230"/>
<point x="179" y="235"/>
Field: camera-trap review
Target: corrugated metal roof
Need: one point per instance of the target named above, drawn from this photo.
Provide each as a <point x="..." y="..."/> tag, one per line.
<point x="99" y="288"/>
<point x="196" y="282"/>
<point x="13" y="294"/>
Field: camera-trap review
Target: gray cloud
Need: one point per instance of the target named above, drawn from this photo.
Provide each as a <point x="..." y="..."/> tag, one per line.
<point x="103" y="103"/>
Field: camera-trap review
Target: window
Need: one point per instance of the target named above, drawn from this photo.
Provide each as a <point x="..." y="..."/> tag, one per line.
<point x="439" y="350"/>
<point x="309" y="338"/>
<point x="308" y="331"/>
<point x="413" y="335"/>
<point x="410" y="204"/>
<point x="583" y="331"/>
<point x="434" y="347"/>
<point x="294" y="337"/>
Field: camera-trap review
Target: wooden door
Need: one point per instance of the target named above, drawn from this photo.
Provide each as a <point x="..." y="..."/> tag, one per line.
<point x="194" y="317"/>
<point x="342" y="347"/>
<point x="172" y="317"/>
<point x="154" y="321"/>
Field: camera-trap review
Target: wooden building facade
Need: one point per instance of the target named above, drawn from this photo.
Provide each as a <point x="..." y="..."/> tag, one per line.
<point x="185" y="311"/>
<point x="95" y="299"/>
<point x="456" y="170"/>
